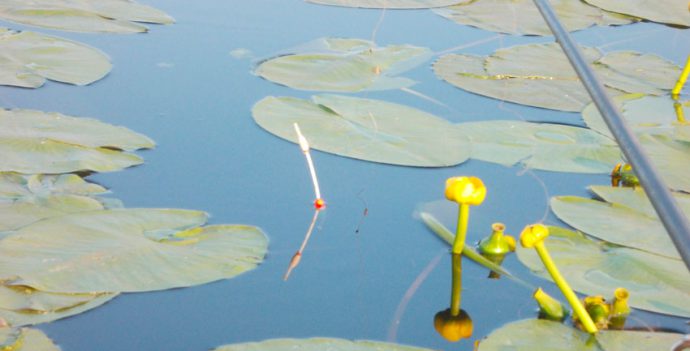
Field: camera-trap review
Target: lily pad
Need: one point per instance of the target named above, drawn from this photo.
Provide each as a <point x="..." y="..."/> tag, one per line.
<point x="646" y="114"/>
<point x="25" y="199"/>
<point x="674" y="12"/>
<point x="365" y="129"/>
<point x="318" y="344"/>
<point x="539" y="75"/>
<point x="23" y="305"/>
<point x="30" y="58"/>
<point x="537" y="334"/>
<point x="389" y="4"/>
<point x="25" y="339"/>
<point x="671" y="158"/>
<point x="344" y="65"/>
<point x="523" y="18"/>
<point x="111" y="16"/>
<point x="656" y="283"/>
<point x="551" y="147"/>
<point x="126" y="250"/>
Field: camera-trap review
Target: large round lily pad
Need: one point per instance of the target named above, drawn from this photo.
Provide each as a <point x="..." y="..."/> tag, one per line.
<point x="344" y="65"/>
<point x="522" y="16"/>
<point x="539" y="75"/>
<point x="656" y="283"/>
<point x="389" y="4"/>
<point x="674" y="12"/>
<point x="25" y="339"/>
<point x="318" y="344"/>
<point x="551" y="147"/>
<point x="128" y="250"/>
<point x="30" y="58"/>
<point x="365" y="129"/>
<point x="537" y="334"/>
<point x="670" y="157"/>
<point x="23" y="305"/>
<point x="112" y="16"/>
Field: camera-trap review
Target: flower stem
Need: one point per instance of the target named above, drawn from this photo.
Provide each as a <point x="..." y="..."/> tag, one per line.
<point x="456" y="286"/>
<point x="681" y="80"/>
<point x="461" y="232"/>
<point x="574" y="302"/>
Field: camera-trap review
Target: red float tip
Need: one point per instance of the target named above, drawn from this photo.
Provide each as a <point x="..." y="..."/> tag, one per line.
<point x="319" y="204"/>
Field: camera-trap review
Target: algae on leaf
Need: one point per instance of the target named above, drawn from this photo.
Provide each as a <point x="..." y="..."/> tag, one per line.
<point x="550" y="147"/>
<point x="656" y="283"/>
<point x="344" y="65"/>
<point x="111" y="16"/>
<point x="365" y="129"/>
<point x="673" y="12"/>
<point x="318" y="344"/>
<point x="539" y="75"/>
<point x="125" y="250"/>
<point x="522" y="16"/>
<point x="30" y="58"/>
<point x="539" y="334"/>
<point x="389" y="4"/>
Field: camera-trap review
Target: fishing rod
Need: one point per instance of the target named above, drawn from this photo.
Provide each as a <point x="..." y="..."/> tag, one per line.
<point x="674" y="220"/>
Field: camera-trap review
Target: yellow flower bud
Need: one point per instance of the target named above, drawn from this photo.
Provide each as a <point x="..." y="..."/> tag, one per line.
<point x="465" y="190"/>
<point x="453" y="328"/>
<point x="532" y="234"/>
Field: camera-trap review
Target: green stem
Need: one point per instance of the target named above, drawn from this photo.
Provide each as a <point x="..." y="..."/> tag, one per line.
<point x="461" y="232"/>
<point x="681" y="80"/>
<point x="574" y="302"/>
<point x="456" y="287"/>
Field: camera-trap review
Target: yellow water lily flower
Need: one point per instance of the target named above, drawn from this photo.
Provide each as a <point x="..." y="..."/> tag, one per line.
<point x="465" y="190"/>
<point x="453" y="328"/>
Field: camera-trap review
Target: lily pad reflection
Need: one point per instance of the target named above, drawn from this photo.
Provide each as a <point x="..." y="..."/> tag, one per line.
<point x="128" y="250"/>
<point x="30" y="58"/>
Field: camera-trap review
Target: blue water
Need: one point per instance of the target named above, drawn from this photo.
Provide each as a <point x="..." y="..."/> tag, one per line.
<point x="181" y="86"/>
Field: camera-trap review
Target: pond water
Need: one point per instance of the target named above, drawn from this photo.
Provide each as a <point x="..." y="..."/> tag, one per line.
<point x="372" y="270"/>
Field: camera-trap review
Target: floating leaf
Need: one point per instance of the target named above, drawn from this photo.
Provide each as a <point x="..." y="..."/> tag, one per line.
<point x="656" y="283"/>
<point x="365" y="129"/>
<point x="551" y="147"/>
<point x="540" y="75"/>
<point x="30" y="58"/>
<point x="25" y="339"/>
<point x="112" y="16"/>
<point x="645" y="114"/>
<point x="538" y="334"/>
<point x="522" y="16"/>
<point x="23" y="305"/>
<point x="673" y="12"/>
<point x="389" y="4"/>
<point x="671" y="158"/>
<point x="344" y="65"/>
<point x="318" y="344"/>
<point x="128" y="250"/>
<point x="25" y="199"/>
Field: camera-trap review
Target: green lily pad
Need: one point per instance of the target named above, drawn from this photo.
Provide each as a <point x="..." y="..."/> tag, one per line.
<point x="25" y="339"/>
<point x="344" y="65"/>
<point x="523" y="18"/>
<point x="537" y="334"/>
<point x="128" y="250"/>
<point x="674" y="12"/>
<point x="645" y="114"/>
<point x="539" y="75"/>
<point x="670" y="157"/>
<point x="79" y="131"/>
<point x="111" y="16"/>
<point x="656" y="283"/>
<point x="551" y="147"/>
<point x="31" y="58"/>
<point x="389" y="4"/>
<point x="25" y="199"/>
<point x="38" y="142"/>
<point x="23" y="305"/>
<point x="318" y="344"/>
<point x="365" y="129"/>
